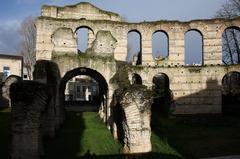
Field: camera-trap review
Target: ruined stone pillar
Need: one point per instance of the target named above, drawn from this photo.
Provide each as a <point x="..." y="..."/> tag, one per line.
<point x="6" y="88"/>
<point x="47" y="72"/>
<point x="29" y="100"/>
<point x="136" y="121"/>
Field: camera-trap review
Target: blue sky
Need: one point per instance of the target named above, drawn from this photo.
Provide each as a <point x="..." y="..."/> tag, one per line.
<point x="12" y="12"/>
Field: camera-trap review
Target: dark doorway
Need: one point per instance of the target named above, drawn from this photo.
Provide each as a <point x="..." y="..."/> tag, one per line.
<point x="231" y="93"/>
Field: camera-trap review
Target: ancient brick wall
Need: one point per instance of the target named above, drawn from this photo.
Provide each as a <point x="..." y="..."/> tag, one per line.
<point x="193" y="87"/>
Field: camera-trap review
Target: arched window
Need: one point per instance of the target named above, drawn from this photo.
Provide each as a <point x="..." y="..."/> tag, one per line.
<point x="160" y="45"/>
<point x="230" y="46"/>
<point x="85" y="37"/>
<point x="193" y="48"/>
<point x="231" y="93"/>
<point x="162" y="94"/>
<point x="134" y="51"/>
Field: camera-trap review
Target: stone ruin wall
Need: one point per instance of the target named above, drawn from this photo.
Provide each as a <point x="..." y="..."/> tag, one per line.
<point x="66" y="20"/>
<point x="56" y="36"/>
<point x="36" y="110"/>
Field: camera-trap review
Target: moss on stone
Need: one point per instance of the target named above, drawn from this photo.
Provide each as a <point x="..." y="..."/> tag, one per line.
<point x="83" y="57"/>
<point x="121" y="79"/>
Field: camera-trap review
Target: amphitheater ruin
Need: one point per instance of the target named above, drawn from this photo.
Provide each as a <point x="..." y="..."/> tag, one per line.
<point x="194" y="89"/>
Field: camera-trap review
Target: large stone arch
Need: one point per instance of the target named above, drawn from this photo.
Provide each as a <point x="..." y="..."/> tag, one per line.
<point x="103" y="86"/>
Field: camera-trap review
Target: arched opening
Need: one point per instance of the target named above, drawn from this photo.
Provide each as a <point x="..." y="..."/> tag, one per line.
<point x="231" y="93"/>
<point x="193" y="48"/>
<point x="134" y="47"/>
<point x="160" y="45"/>
<point x="162" y="95"/>
<point x="230" y="46"/>
<point x="84" y="87"/>
<point x="136" y="79"/>
<point x="85" y="37"/>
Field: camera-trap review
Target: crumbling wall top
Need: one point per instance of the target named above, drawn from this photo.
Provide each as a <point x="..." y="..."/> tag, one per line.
<point x="83" y="10"/>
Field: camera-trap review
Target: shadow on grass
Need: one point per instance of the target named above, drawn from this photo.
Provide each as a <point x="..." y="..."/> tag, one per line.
<point x="66" y="143"/>
<point x="84" y="136"/>
<point x="198" y="135"/>
<point x="202" y="135"/>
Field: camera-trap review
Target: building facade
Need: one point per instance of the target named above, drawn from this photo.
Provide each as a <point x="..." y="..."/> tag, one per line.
<point x="11" y="65"/>
<point x="81" y="88"/>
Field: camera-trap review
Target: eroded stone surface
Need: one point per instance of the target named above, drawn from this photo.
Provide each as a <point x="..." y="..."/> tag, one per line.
<point x="104" y="44"/>
<point x="29" y="100"/>
<point x="136" y="106"/>
<point x="6" y="87"/>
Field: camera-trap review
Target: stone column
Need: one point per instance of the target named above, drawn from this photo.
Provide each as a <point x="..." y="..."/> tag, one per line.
<point x="136" y="121"/>
<point x="6" y="88"/>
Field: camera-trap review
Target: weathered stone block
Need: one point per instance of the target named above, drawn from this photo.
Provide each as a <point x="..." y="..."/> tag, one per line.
<point x="29" y="100"/>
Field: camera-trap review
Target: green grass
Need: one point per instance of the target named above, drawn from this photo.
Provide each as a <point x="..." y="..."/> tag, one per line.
<point x="96" y="138"/>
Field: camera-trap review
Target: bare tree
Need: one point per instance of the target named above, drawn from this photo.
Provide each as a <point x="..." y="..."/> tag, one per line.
<point x="231" y="36"/>
<point x="28" y="43"/>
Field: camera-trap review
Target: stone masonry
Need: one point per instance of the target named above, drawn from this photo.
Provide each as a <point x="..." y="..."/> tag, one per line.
<point x="29" y="100"/>
<point x="196" y="89"/>
<point x="136" y="122"/>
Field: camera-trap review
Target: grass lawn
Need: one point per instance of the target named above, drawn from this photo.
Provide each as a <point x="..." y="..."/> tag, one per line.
<point x="83" y="135"/>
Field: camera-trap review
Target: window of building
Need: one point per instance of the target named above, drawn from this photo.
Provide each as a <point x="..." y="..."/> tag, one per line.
<point x="25" y="76"/>
<point x="78" y="88"/>
<point x="6" y="72"/>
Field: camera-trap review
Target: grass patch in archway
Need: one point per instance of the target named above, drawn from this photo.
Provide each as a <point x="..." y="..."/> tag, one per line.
<point x="83" y="134"/>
